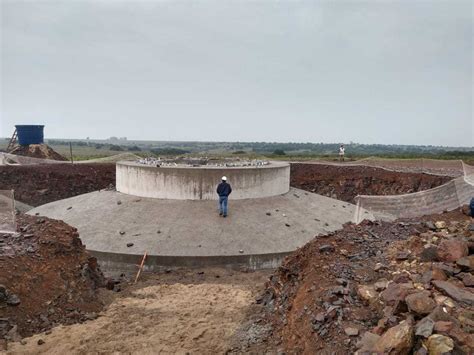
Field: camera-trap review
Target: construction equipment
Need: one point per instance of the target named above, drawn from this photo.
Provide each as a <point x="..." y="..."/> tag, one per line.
<point x="12" y="143"/>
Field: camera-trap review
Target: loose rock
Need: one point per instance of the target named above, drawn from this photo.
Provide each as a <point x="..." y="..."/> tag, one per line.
<point x="439" y="344"/>
<point x="396" y="340"/>
<point x="420" y="303"/>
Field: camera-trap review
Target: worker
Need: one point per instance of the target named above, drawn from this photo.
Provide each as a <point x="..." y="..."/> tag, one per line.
<point x="223" y="190"/>
<point x="471" y="207"/>
<point x="342" y="151"/>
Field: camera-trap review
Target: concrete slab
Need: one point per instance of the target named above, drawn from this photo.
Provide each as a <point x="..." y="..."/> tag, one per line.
<point x="192" y="233"/>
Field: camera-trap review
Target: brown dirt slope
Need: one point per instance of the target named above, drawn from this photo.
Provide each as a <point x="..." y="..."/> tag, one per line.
<point x="40" y="151"/>
<point x="39" y="184"/>
<point x="346" y="182"/>
<point x="46" y="278"/>
<point x="372" y="287"/>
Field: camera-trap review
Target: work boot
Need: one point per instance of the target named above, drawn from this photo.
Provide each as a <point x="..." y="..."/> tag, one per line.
<point x="224" y="216"/>
<point x="220" y="213"/>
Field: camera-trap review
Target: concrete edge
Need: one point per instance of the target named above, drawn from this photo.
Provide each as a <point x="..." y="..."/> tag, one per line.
<point x="110" y="262"/>
<point x="273" y="164"/>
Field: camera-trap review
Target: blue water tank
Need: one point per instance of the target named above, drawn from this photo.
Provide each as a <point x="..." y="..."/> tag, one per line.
<point x="30" y="134"/>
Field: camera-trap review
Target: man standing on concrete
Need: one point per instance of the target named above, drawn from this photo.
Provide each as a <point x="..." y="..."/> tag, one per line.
<point x="223" y="190"/>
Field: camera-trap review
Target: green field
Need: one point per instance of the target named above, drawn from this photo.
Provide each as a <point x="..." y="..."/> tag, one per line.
<point x="85" y="149"/>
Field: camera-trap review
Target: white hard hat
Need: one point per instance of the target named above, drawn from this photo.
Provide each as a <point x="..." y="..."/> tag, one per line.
<point x="224" y="178"/>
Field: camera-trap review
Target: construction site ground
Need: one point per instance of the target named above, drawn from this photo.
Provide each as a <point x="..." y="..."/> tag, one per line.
<point x="380" y="287"/>
<point x="182" y="311"/>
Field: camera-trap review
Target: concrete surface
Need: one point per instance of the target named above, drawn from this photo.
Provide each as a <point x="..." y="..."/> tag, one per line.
<point x="192" y="233"/>
<point x="200" y="183"/>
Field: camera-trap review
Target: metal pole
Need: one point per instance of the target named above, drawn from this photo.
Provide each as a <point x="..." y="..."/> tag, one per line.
<point x="70" y="150"/>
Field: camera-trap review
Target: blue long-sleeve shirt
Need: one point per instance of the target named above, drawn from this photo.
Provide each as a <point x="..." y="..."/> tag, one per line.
<point x="224" y="189"/>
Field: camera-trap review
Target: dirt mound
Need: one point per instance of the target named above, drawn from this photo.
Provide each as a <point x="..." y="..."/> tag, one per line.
<point x="377" y="287"/>
<point x="39" y="184"/>
<point x="346" y="182"/>
<point x="40" y="151"/>
<point x="46" y="278"/>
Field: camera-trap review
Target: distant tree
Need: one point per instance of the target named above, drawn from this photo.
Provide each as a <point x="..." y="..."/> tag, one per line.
<point x="116" y="148"/>
<point x="169" y="151"/>
<point x="279" y="152"/>
<point x="239" y="152"/>
<point x="134" y="148"/>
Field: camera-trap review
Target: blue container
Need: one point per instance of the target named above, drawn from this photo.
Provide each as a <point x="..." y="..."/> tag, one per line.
<point x="29" y="134"/>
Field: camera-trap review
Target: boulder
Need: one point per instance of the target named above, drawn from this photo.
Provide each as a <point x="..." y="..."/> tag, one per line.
<point x="457" y="293"/>
<point x="443" y="326"/>
<point x="395" y="292"/>
<point x="420" y="303"/>
<point x="467" y="279"/>
<point x="381" y="285"/>
<point x="424" y="328"/>
<point x="3" y="294"/>
<point x="448" y="269"/>
<point x="466" y="263"/>
<point x="367" y="342"/>
<point x="367" y="293"/>
<point x="440" y="313"/>
<point x="429" y="254"/>
<point x="13" y="300"/>
<point x="396" y="340"/>
<point x="430" y="225"/>
<point x="452" y="249"/>
<point x="327" y="248"/>
<point x="352" y="332"/>
<point x="434" y="274"/>
<point x="438" y="344"/>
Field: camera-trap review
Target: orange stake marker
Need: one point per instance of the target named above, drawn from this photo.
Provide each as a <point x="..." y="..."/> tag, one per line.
<point x="140" y="268"/>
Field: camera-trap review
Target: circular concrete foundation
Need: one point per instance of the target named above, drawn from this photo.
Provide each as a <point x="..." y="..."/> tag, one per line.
<point x="199" y="183"/>
<point x="168" y="212"/>
<point x="258" y="233"/>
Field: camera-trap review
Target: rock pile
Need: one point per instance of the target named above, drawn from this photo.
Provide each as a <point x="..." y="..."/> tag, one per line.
<point x="46" y="278"/>
<point x="398" y="288"/>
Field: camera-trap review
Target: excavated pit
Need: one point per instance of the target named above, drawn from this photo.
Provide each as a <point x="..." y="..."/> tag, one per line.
<point x="346" y="182"/>
<point x="36" y="185"/>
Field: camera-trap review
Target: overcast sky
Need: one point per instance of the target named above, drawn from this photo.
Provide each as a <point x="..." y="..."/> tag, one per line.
<point x="395" y="72"/>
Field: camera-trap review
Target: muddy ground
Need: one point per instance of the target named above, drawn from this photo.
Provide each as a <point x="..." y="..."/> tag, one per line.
<point x="346" y="182"/>
<point x="36" y="185"/>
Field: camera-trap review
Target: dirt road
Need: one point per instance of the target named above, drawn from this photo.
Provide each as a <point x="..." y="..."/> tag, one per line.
<point x="178" y="312"/>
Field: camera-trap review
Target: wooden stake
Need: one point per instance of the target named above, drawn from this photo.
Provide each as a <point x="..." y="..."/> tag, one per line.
<point x="140" y="268"/>
<point x="70" y="150"/>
